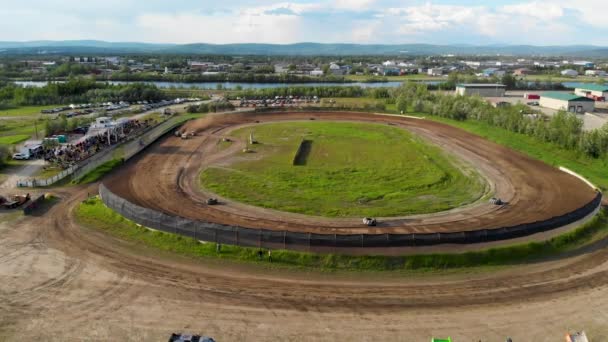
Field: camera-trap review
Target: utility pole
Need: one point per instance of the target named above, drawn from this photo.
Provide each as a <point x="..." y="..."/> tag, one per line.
<point x="36" y="128"/>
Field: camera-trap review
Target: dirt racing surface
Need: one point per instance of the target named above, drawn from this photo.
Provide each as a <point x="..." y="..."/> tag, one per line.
<point x="165" y="178"/>
<point x="63" y="282"/>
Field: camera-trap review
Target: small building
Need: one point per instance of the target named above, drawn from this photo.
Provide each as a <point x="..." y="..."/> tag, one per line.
<point x="594" y="91"/>
<point x="281" y="68"/>
<point x="569" y="73"/>
<point x="435" y="72"/>
<point x="338" y="70"/>
<point x="521" y="72"/>
<point x="596" y="73"/>
<point x="391" y="71"/>
<point x="481" y="89"/>
<point x="489" y="72"/>
<point x="316" y="72"/>
<point x="567" y="101"/>
<point x="585" y="64"/>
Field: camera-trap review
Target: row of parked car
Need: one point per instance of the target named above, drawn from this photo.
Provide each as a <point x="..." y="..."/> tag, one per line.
<point x="165" y="103"/>
<point x="277" y="101"/>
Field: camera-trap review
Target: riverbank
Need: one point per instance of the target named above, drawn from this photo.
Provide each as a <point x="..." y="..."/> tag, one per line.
<point x="387" y="82"/>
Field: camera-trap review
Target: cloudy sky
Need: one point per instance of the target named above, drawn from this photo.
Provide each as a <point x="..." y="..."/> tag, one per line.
<point x="555" y="22"/>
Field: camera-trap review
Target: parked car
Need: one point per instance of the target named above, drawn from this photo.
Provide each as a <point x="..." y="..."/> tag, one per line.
<point x="21" y="156"/>
<point x="533" y="103"/>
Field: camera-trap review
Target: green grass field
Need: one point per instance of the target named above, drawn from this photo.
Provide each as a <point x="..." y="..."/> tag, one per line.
<point x="13" y="139"/>
<point x="353" y="170"/>
<point x="14" y="131"/>
<point x="25" y="110"/>
<point x="92" y="213"/>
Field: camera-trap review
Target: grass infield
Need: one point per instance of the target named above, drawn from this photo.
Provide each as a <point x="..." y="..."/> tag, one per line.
<point x="349" y="169"/>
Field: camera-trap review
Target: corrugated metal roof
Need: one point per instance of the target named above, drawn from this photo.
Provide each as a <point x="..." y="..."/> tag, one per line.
<point x="594" y="87"/>
<point x="565" y="96"/>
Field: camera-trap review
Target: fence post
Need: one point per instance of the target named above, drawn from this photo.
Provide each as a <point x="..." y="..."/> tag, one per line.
<point x="309" y="237"/>
<point x="260" y="238"/>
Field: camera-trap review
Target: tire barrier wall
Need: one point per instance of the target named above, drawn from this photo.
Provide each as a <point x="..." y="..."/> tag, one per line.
<point x="262" y="238"/>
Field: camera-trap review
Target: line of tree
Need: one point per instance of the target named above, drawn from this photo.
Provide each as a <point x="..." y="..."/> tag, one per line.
<point x="78" y="90"/>
<point x="210" y="107"/>
<point x="62" y="124"/>
<point x="331" y="91"/>
<point x="509" y="80"/>
<point x="254" y="76"/>
<point x="563" y="129"/>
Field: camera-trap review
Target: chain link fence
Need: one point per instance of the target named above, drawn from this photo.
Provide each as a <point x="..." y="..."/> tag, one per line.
<point x="263" y="238"/>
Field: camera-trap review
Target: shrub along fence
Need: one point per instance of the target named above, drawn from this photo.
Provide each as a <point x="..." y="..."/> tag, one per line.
<point x="263" y="238"/>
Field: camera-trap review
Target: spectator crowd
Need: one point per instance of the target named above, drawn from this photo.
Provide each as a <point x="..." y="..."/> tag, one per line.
<point x="68" y="155"/>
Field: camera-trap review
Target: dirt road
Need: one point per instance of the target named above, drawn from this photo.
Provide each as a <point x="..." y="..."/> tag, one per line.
<point x="61" y="282"/>
<point x="13" y="175"/>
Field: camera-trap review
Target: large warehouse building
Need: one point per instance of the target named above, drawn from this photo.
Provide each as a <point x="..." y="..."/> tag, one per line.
<point x="566" y="101"/>
<point x="481" y="89"/>
<point x="594" y="91"/>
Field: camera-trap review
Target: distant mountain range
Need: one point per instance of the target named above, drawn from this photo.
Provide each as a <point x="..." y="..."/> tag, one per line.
<point x="303" y="49"/>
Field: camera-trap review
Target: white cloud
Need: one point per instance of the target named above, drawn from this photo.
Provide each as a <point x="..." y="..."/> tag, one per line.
<point x="591" y="12"/>
<point x="430" y="17"/>
<point x="285" y="21"/>
<point x="523" y="23"/>
<point x="247" y="27"/>
<point x="353" y="5"/>
<point x="538" y="10"/>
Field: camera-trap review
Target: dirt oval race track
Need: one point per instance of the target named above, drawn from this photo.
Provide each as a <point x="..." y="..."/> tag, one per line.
<point x="61" y="281"/>
<point x="165" y="179"/>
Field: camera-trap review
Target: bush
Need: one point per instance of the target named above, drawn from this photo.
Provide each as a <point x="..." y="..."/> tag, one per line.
<point x="564" y="129"/>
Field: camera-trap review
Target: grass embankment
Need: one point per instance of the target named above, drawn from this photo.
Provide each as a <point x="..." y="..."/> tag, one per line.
<point x="13" y="139"/>
<point x="94" y="214"/>
<point x="595" y="170"/>
<point x="98" y="172"/>
<point x="25" y="110"/>
<point x="15" y="131"/>
<point x="351" y="170"/>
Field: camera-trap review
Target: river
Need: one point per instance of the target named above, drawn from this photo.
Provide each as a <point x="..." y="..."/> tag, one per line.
<point x="242" y="85"/>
